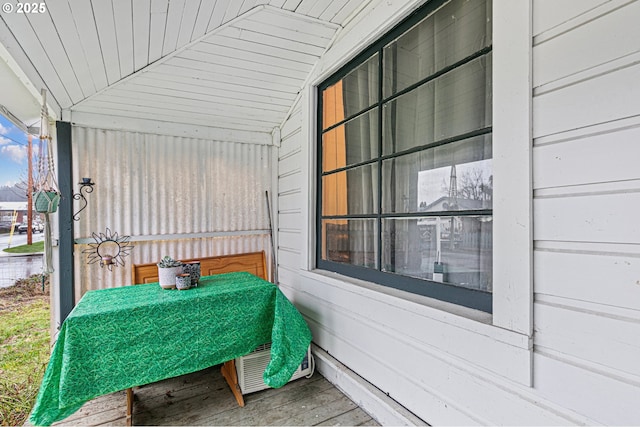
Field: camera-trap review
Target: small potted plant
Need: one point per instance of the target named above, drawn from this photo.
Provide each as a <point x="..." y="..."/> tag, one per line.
<point x="168" y="269"/>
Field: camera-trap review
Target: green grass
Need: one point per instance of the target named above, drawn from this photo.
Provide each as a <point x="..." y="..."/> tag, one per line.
<point x="27" y="249"/>
<point x="24" y="349"/>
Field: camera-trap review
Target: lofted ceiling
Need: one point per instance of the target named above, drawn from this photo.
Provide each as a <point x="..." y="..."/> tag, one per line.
<point x="232" y="64"/>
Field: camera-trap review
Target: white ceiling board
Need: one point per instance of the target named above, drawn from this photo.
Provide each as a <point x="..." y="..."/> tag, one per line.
<point x="274" y="69"/>
<point x="172" y="29"/>
<point x="157" y="25"/>
<point x="234" y="54"/>
<point x="37" y="58"/>
<point x="238" y="64"/>
<point x="313" y="31"/>
<point x="230" y="74"/>
<point x="123" y="19"/>
<point x="176" y="116"/>
<point x="305" y="6"/>
<point x="218" y="14"/>
<point x="319" y="8"/>
<point x="256" y="48"/>
<point x="84" y="24"/>
<point x="270" y="40"/>
<point x="202" y="19"/>
<point x="233" y="97"/>
<point x="330" y="12"/>
<point x="61" y="12"/>
<point x="248" y="89"/>
<point x="233" y="10"/>
<point x="50" y="41"/>
<point x="103" y="16"/>
<point x="186" y="74"/>
<point x="347" y="11"/>
<point x="189" y="16"/>
<point x="183" y="102"/>
<point x="221" y="89"/>
<point x="247" y="5"/>
<point x="277" y="3"/>
<point x="291" y="4"/>
<point x="141" y="22"/>
<point x="16" y="97"/>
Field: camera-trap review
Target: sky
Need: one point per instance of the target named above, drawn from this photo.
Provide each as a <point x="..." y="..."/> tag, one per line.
<point x="13" y="153"/>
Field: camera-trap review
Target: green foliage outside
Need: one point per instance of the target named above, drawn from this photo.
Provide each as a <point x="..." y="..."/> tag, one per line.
<point x="24" y="347"/>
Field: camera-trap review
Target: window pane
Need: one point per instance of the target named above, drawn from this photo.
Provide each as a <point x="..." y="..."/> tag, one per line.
<point x="350" y="242"/>
<point x="355" y="92"/>
<point x="453" y="104"/>
<point x="353" y="142"/>
<point x="456" y="176"/>
<point x="351" y="192"/>
<point x="456" y="31"/>
<point x="455" y="250"/>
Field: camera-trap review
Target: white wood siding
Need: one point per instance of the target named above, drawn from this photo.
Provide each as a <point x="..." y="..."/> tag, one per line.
<point x="449" y="369"/>
<point x="586" y="196"/>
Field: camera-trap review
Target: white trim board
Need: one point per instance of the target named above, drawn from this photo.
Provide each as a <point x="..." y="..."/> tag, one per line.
<point x="372" y="400"/>
<point x="112" y="122"/>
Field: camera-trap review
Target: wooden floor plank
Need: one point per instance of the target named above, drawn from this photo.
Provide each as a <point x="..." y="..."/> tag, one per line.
<point x="353" y="417"/>
<point x="204" y="398"/>
<point x="261" y="407"/>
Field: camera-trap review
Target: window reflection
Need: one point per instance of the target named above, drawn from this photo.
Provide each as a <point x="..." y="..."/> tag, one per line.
<point x="353" y="93"/>
<point x="455" y="249"/>
<point x="350" y="242"/>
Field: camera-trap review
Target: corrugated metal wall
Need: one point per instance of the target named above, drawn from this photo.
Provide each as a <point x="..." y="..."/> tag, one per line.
<point x="174" y="196"/>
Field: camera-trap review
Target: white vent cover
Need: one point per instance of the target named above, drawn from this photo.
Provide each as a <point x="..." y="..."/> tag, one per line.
<point x="251" y="367"/>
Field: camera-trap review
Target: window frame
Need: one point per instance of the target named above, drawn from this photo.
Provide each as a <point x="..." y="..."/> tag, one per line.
<point x="475" y="299"/>
<point x="511" y="321"/>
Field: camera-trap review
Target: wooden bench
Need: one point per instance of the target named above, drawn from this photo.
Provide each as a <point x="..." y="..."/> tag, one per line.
<point x="253" y="262"/>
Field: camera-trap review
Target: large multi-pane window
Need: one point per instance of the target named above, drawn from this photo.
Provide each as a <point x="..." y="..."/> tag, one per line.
<point x="404" y="158"/>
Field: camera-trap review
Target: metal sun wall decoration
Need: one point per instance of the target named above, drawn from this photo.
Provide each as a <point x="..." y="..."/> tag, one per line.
<point x="109" y="249"/>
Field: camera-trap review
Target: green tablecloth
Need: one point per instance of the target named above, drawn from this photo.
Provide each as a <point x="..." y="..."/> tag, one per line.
<point x="123" y="337"/>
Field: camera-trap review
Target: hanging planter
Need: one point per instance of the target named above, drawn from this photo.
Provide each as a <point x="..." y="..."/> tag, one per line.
<point x="46" y="194"/>
<point x="46" y="201"/>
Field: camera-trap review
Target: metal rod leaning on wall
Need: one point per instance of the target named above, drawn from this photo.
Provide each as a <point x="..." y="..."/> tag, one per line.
<point x="274" y="264"/>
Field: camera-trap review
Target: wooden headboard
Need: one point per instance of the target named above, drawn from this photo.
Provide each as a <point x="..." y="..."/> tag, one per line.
<point x="253" y="262"/>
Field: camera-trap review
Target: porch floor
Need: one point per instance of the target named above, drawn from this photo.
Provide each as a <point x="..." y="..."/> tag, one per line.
<point x="204" y="398"/>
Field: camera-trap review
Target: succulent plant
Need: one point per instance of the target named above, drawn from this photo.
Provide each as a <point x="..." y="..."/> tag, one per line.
<point x="168" y="262"/>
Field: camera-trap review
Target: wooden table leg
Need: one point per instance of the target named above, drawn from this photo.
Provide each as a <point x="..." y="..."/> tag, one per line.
<point x="129" y="407"/>
<point x="229" y="373"/>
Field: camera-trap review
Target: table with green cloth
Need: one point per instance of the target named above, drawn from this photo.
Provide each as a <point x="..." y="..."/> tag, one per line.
<point x="123" y="337"/>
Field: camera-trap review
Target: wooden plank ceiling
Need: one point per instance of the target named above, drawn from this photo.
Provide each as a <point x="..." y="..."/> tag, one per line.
<point x="233" y="64"/>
